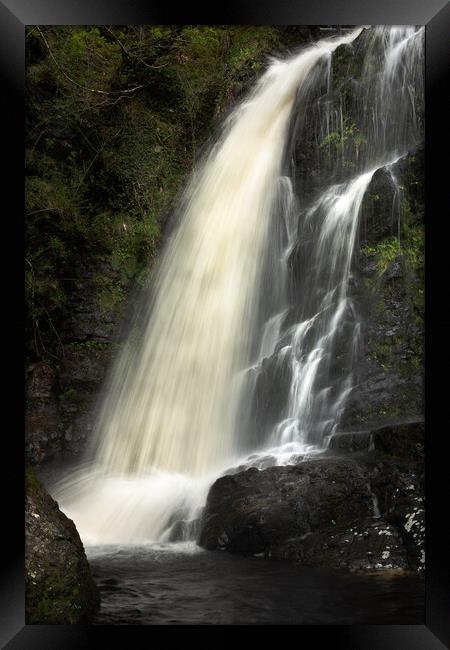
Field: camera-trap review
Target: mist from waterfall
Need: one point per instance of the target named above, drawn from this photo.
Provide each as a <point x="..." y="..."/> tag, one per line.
<point x="180" y="403"/>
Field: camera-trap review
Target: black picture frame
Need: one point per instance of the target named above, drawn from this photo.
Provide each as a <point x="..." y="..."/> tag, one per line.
<point x="435" y="15"/>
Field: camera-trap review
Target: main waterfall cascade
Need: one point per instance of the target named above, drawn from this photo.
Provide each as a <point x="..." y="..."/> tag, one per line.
<point x="181" y="406"/>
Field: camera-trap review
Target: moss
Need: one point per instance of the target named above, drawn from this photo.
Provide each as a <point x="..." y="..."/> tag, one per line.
<point x="414" y="246"/>
<point x="382" y="353"/>
<point x="69" y="395"/>
<point x="375" y="413"/>
<point x="91" y="344"/>
<point x="110" y="294"/>
<point x="31" y="482"/>
<point x="56" y="603"/>
<point x="59" y="587"/>
<point x="408" y="250"/>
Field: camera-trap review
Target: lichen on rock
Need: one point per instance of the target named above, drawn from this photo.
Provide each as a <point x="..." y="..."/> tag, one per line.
<point x="59" y="586"/>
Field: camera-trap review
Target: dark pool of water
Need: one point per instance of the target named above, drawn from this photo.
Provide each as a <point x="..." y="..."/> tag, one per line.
<point x="162" y="585"/>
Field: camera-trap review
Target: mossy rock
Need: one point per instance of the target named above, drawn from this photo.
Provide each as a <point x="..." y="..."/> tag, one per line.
<point x="59" y="586"/>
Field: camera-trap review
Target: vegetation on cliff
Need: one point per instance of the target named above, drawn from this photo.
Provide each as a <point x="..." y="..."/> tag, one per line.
<point x="116" y="118"/>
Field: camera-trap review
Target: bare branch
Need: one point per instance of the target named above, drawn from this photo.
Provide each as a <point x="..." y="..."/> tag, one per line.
<point x="91" y="90"/>
<point x="130" y="54"/>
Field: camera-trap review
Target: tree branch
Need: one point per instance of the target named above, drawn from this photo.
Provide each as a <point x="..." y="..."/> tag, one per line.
<point x="131" y="54"/>
<point x="91" y="90"/>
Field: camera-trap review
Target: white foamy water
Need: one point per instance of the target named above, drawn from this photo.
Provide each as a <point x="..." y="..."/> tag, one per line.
<point x="120" y="508"/>
<point x="311" y="411"/>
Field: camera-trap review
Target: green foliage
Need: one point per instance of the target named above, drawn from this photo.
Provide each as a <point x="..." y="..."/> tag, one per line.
<point x="110" y="293"/>
<point x="414" y="246"/>
<point x="333" y="139"/>
<point x="247" y="57"/>
<point x="386" y="251"/>
<point x="350" y="140"/>
<point x="409" y="249"/>
<point x="115" y="119"/>
<point x="90" y="344"/>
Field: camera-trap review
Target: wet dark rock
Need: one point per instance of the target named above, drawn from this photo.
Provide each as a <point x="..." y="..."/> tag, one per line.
<point x="271" y="390"/>
<point x="252" y="511"/>
<point x="183" y="530"/>
<point x="59" y="586"/>
<point x="61" y="402"/>
<point x="363" y="512"/>
<point x="81" y="376"/>
<point x="85" y="326"/>
<point x="258" y="462"/>
<point x="62" y="397"/>
<point x="83" y="366"/>
<point x="393" y="270"/>
<point x="350" y="442"/>
<point x="370" y="545"/>
<point x="43" y="424"/>
<point x="398" y="482"/>
<point x="87" y="318"/>
<point x="393" y="461"/>
<point x="404" y="440"/>
<point x="378" y="219"/>
<point x="389" y="295"/>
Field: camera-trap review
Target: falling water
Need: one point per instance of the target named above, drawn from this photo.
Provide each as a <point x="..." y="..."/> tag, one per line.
<point x="319" y="329"/>
<point x="313" y="403"/>
<point x="178" y="407"/>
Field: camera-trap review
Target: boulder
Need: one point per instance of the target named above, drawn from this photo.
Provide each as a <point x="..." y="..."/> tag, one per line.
<point x="399" y="487"/>
<point x="358" y="507"/>
<point x="59" y="586"/>
<point x="403" y="440"/>
<point x="371" y="544"/>
<point x="254" y="511"/>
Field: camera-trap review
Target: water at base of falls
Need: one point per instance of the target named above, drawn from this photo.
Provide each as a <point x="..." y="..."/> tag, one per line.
<point x="181" y="584"/>
<point x="126" y="509"/>
<point x="113" y="508"/>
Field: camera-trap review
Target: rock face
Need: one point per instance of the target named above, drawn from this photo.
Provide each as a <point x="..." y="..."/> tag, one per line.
<point x="43" y="426"/>
<point x="62" y="394"/>
<point x="359" y="511"/>
<point x="253" y="510"/>
<point x="387" y="288"/>
<point x="389" y="293"/>
<point x="59" y="585"/>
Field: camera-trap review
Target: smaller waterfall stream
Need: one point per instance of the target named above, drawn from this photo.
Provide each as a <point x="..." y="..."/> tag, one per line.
<point x="320" y="327"/>
<point x="311" y="346"/>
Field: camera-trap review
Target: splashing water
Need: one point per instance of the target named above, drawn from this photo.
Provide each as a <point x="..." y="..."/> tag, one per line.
<point x="319" y="333"/>
<point x="174" y="415"/>
<point x="311" y="411"/>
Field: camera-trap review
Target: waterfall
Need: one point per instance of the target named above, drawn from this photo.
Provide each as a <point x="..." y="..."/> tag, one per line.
<point x="312" y="342"/>
<point x="178" y="408"/>
<point x="319" y="334"/>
